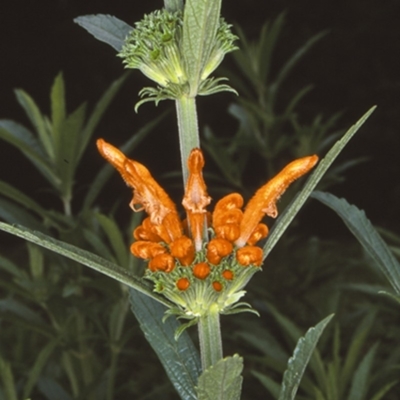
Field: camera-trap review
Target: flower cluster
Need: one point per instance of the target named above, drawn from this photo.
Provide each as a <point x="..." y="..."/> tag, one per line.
<point x="155" y="48"/>
<point x="208" y="257"/>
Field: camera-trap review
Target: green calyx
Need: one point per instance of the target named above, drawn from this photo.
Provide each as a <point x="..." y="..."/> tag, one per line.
<point x="154" y="47"/>
<point x="213" y="292"/>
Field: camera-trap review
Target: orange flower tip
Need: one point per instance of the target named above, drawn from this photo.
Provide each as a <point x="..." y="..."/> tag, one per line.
<point x="249" y="255"/>
<point x="162" y="262"/>
<point x="196" y="161"/>
<point x="217" y="286"/>
<point x="182" y="284"/>
<point x="110" y="153"/>
<point x="201" y="270"/>
<point x="218" y="249"/>
<point x="183" y="249"/>
<point x="228" y="274"/>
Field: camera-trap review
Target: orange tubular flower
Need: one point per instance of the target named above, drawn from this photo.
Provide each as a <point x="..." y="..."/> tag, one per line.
<point x="208" y="258"/>
<point x="196" y="198"/>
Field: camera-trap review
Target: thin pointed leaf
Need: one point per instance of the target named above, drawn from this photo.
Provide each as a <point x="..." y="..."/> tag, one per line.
<point x="106" y="172"/>
<point x="360" y="382"/>
<point x="36" y="370"/>
<point x="382" y="392"/>
<point x="98" y="112"/>
<point x="222" y="381"/>
<point x="7" y="377"/>
<point x="106" y="28"/>
<point x="23" y="139"/>
<point x="298" y="362"/>
<point x="291" y="211"/>
<point x="115" y="237"/>
<point x="53" y="390"/>
<point x="180" y="358"/>
<point x="366" y="234"/>
<point x="84" y="257"/>
<point x="16" y="195"/>
<point x="37" y="120"/>
<point x="200" y="24"/>
<point x="57" y="102"/>
<point x="273" y="387"/>
<point x="290" y="64"/>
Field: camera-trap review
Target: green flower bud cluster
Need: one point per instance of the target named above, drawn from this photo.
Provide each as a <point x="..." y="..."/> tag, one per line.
<point x="154" y="47"/>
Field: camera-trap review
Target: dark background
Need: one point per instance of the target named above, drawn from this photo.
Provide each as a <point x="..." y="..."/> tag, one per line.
<point x="354" y="67"/>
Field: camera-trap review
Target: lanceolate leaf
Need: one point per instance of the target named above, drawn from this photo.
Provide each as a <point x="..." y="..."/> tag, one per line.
<point x="291" y="211"/>
<point x="222" y="381"/>
<point x="366" y="234"/>
<point x="298" y="362"/>
<point x="180" y="358"/>
<point x="106" y="28"/>
<point x="200" y="24"/>
<point x="84" y="257"/>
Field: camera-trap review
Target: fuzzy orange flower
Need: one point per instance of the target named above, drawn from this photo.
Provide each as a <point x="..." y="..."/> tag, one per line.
<point x="197" y="247"/>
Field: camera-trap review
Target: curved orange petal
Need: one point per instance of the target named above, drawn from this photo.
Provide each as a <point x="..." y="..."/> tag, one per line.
<point x="183" y="250"/>
<point x="196" y="198"/>
<point x="264" y="201"/>
<point x="249" y="255"/>
<point x="148" y="194"/>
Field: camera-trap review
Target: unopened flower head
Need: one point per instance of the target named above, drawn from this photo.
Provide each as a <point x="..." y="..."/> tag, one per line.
<point x="154" y="47"/>
<point x="208" y="258"/>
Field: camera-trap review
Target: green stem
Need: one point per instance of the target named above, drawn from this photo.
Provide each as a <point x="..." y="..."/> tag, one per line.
<point x="188" y="129"/>
<point x="210" y="338"/>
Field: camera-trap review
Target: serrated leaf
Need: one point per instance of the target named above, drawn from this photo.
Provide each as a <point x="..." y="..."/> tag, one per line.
<point x="298" y="362"/>
<point x="86" y="258"/>
<point x="222" y="381"/>
<point x="291" y="211"/>
<point x="106" y="28"/>
<point x="366" y="234"/>
<point x="180" y="358"/>
<point x="200" y="24"/>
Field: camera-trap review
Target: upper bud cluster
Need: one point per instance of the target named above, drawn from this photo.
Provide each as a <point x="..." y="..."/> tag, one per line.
<point x="154" y="47"/>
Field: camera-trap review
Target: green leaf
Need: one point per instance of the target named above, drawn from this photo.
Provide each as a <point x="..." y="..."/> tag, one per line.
<point x="98" y="112"/>
<point x="173" y="5"/>
<point x="360" y="382"/>
<point x="13" y="193"/>
<point x="15" y="214"/>
<point x="38" y="366"/>
<point x="86" y="258"/>
<point x="273" y="387"/>
<point x="23" y="139"/>
<point x="298" y="362"/>
<point x="106" y="172"/>
<point x="37" y="120"/>
<point x="53" y="390"/>
<point x="382" y="392"/>
<point x="8" y="380"/>
<point x="180" y="358"/>
<point x="106" y="28"/>
<point x="22" y="311"/>
<point x="366" y="234"/>
<point x="115" y="237"/>
<point x="222" y="381"/>
<point x="200" y="24"/>
<point x="291" y="211"/>
<point x="57" y="102"/>
<point x="67" y="147"/>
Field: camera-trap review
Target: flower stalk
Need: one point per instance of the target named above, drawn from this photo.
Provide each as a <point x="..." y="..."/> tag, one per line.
<point x="210" y="337"/>
<point x="188" y="130"/>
